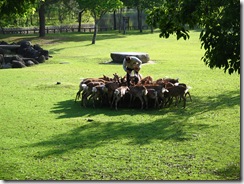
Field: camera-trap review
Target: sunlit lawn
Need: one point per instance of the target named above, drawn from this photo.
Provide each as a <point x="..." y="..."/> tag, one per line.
<point x="45" y="135"/>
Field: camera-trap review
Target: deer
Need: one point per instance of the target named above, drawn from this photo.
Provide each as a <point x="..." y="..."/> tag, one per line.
<point x="139" y="92"/>
<point x="88" y="91"/>
<point x="176" y="92"/>
<point x="118" y="94"/>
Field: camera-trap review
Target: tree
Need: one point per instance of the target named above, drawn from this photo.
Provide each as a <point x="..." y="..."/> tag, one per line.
<point x="43" y="4"/>
<point x="82" y="8"/>
<point x="220" y="24"/>
<point x="142" y="5"/>
<point x="139" y="4"/>
<point x="42" y="19"/>
<point x="14" y="9"/>
<point x="15" y="6"/>
<point x="98" y="8"/>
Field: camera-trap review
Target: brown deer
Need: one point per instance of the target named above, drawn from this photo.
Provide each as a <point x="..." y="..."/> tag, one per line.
<point x="118" y="94"/>
<point x="138" y="92"/>
<point x="176" y="92"/>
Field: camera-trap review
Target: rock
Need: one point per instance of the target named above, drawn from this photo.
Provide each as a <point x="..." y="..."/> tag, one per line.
<point x="1" y="59"/>
<point x="29" y="63"/>
<point x="41" y="59"/>
<point x="7" y="65"/>
<point x="21" y="54"/>
<point x="118" y="57"/>
<point x="17" y="64"/>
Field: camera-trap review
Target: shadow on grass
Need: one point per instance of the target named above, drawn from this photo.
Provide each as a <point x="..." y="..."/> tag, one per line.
<point x="72" y="37"/>
<point x="8" y="170"/>
<point x="230" y="172"/>
<point x="97" y="134"/>
<point x="176" y="126"/>
<point x="70" y="109"/>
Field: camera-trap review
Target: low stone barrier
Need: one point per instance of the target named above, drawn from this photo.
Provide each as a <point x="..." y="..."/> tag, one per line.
<point x="118" y="57"/>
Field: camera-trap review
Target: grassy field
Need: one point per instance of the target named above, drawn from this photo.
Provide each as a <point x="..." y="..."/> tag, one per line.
<point x="46" y="136"/>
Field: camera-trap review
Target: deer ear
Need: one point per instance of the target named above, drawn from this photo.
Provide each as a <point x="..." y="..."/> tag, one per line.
<point x="84" y="86"/>
<point x="164" y="90"/>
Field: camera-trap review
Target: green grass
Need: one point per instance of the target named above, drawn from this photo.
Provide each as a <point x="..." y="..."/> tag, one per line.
<point x="46" y="136"/>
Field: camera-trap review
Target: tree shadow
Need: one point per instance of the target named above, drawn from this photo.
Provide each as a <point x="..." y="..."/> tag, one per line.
<point x="66" y="37"/>
<point x="230" y="172"/>
<point x="78" y="37"/>
<point x="7" y="170"/>
<point x="54" y="38"/>
<point x="91" y="134"/>
<point x="213" y="103"/>
<point x="97" y="134"/>
<point x="199" y="105"/>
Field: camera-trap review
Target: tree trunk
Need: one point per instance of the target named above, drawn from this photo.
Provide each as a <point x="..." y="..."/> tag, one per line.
<point x="115" y="22"/>
<point x="139" y="17"/>
<point x="79" y="20"/>
<point x="31" y="19"/>
<point x="120" y="17"/>
<point x="94" y="33"/>
<point x="42" y="20"/>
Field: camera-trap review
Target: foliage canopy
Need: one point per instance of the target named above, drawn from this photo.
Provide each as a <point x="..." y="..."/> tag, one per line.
<point x="220" y="23"/>
<point x="14" y="8"/>
<point x="98" y="8"/>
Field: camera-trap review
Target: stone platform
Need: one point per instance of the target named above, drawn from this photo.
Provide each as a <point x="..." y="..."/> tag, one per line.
<point x="118" y="57"/>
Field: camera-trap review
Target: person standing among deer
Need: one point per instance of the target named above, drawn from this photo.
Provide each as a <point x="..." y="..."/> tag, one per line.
<point x="131" y="63"/>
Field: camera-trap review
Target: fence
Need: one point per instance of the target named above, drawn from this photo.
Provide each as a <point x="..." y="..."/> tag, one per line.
<point x="48" y="29"/>
<point x="60" y="29"/>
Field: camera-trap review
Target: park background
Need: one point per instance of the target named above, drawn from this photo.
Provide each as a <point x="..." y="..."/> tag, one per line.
<point x="47" y="136"/>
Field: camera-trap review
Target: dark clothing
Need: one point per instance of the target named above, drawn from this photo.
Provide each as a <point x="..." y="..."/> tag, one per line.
<point x="129" y="64"/>
<point x="130" y="69"/>
<point x="128" y="76"/>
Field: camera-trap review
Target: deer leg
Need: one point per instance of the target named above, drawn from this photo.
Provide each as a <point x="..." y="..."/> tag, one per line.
<point x="110" y="95"/>
<point x="77" y="95"/>
<point x="84" y="97"/>
<point x="142" y="103"/>
<point x="94" y="97"/>
<point x="146" y="101"/>
<point x="83" y="100"/>
<point x="116" y="103"/>
<point x="176" y="101"/>
<point x="170" y="100"/>
<point x="188" y="94"/>
<point x="111" y="105"/>
<point x="161" y="101"/>
<point x="184" y="98"/>
<point x="156" y="104"/>
<point x="131" y="99"/>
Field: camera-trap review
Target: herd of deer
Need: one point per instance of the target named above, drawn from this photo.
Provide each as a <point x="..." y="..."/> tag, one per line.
<point x="111" y="91"/>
